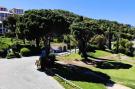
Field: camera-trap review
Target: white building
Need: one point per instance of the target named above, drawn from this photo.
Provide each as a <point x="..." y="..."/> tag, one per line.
<point x="4" y="13"/>
<point x="17" y="11"/>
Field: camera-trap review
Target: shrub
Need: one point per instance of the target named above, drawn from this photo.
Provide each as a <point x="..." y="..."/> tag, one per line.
<point x="125" y="47"/>
<point x="55" y="40"/>
<point x="122" y="49"/>
<point x="13" y="55"/>
<point x="52" y="56"/>
<point x="99" y="41"/>
<point x="3" y="49"/>
<point x="3" y="53"/>
<point x="3" y="46"/>
<point x="10" y="55"/>
<point x="129" y="48"/>
<point x="25" y="52"/>
<point x="17" y="54"/>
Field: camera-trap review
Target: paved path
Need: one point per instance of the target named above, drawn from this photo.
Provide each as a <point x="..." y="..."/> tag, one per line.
<point x="22" y="74"/>
<point x="108" y="86"/>
<point x="117" y="86"/>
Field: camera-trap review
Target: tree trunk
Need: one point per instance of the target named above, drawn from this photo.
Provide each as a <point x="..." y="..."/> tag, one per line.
<point x="37" y="42"/>
<point x="110" y="44"/>
<point x="82" y="48"/>
<point x="117" y="46"/>
<point x="47" y="45"/>
<point x="24" y="41"/>
<point x="75" y="49"/>
<point x="110" y="40"/>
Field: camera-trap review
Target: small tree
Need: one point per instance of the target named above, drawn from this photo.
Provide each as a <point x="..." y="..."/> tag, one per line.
<point x="82" y="32"/>
<point x="43" y="24"/>
<point x="99" y="41"/>
<point x="130" y="49"/>
<point x="10" y="24"/>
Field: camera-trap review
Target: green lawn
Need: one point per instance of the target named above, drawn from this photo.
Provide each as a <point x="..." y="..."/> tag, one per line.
<point x="77" y="77"/>
<point x="63" y="83"/>
<point x="99" y="53"/>
<point x="122" y="76"/>
<point x="83" y="85"/>
<point x="89" y="85"/>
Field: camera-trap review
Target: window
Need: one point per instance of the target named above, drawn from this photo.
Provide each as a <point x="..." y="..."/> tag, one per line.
<point x="1" y="14"/>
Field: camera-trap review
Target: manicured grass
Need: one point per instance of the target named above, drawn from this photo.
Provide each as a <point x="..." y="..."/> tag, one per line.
<point x="63" y="83"/>
<point x="77" y="77"/>
<point x="123" y="76"/>
<point x="99" y="53"/>
<point x="83" y="85"/>
<point x="88" y="85"/>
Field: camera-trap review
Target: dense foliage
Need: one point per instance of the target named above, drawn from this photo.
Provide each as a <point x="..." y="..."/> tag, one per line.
<point x="43" y="25"/>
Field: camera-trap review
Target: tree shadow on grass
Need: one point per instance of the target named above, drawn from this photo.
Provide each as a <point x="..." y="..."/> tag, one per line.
<point x="107" y="63"/>
<point x="113" y="65"/>
<point x="77" y="73"/>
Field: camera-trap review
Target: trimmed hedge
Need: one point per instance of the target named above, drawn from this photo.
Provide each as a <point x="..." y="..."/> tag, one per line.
<point x="25" y="52"/>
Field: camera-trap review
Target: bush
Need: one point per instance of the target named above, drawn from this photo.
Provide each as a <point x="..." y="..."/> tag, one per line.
<point x="52" y="56"/>
<point x="99" y="41"/>
<point x="25" y="52"/>
<point x="122" y="49"/>
<point x="13" y="55"/>
<point x="3" y="49"/>
<point x="3" y="46"/>
<point x="125" y="47"/>
<point x="55" y="40"/>
<point x="10" y="55"/>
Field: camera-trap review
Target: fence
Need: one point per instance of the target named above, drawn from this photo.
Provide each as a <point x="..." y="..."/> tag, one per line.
<point x="68" y="82"/>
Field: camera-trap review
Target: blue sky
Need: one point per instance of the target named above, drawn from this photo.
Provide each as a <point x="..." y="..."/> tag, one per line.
<point x="122" y="11"/>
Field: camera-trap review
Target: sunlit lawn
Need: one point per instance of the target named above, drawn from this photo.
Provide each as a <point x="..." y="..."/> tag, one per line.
<point x="122" y="76"/>
<point x="99" y="53"/>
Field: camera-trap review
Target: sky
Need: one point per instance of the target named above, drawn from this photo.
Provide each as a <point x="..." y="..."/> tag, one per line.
<point x="122" y="11"/>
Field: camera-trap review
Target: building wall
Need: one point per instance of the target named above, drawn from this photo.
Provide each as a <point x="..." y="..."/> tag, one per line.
<point x="17" y="11"/>
<point x="3" y="9"/>
<point x="4" y="13"/>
